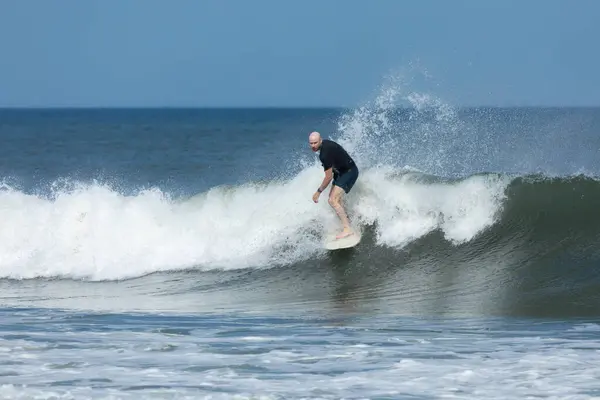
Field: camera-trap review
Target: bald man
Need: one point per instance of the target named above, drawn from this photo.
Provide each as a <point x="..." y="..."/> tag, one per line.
<point x="340" y="167"/>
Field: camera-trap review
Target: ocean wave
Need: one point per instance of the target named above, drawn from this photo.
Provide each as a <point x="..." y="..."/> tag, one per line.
<point x="94" y="232"/>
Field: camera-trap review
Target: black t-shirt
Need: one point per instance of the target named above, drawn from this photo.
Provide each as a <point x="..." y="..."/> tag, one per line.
<point x="332" y="155"/>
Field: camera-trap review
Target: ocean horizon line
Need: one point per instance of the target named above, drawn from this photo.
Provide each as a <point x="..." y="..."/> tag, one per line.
<point x="268" y="107"/>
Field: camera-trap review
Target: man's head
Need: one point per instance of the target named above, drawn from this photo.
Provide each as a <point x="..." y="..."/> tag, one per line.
<point x="314" y="140"/>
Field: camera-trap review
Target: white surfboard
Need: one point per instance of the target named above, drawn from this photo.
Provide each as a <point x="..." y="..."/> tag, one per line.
<point x="331" y="243"/>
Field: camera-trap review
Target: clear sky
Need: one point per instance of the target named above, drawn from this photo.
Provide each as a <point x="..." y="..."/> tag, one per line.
<point x="296" y="53"/>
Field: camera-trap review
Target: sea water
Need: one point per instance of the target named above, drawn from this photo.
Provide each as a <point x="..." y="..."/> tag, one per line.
<point x="176" y="253"/>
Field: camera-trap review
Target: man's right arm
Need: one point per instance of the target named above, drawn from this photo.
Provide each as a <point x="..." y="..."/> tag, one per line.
<point x="326" y="180"/>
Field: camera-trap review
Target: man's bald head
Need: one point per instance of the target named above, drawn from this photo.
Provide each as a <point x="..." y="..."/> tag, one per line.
<point x="314" y="140"/>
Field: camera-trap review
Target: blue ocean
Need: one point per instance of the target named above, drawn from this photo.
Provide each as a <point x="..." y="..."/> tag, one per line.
<point x="177" y="254"/>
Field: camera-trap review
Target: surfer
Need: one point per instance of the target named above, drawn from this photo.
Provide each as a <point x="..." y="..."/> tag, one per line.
<point x="340" y="167"/>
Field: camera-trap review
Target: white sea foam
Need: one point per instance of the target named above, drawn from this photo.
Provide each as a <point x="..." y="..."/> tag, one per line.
<point x="405" y="209"/>
<point x="298" y="360"/>
<point x="96" y="233"/>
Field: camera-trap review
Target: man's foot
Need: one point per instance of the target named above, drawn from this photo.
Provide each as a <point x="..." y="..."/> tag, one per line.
<point x="344" y="233"/>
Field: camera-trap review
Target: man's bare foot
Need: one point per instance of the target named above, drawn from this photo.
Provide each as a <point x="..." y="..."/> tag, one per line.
<point x="345" y="233"/>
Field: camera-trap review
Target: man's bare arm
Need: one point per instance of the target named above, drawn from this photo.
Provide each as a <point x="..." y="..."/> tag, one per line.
<point x="326" y="180"/>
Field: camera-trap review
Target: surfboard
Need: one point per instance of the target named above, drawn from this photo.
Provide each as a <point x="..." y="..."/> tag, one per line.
<point x="331" y="243"/>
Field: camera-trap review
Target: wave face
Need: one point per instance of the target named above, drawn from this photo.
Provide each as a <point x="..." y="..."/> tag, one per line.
<point x="482" y="244"/>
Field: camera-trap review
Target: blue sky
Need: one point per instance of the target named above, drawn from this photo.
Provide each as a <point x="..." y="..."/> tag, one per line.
<point x="302" y="53"/>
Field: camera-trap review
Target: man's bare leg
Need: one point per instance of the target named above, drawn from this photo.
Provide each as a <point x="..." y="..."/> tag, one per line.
<point x="335" y="201"/>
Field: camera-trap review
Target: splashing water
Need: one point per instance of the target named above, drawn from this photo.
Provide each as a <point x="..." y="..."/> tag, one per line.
<point x="405" y="129"/>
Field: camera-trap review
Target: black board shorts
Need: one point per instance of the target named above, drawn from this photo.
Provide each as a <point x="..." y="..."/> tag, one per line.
<point x="347" y="179"/>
